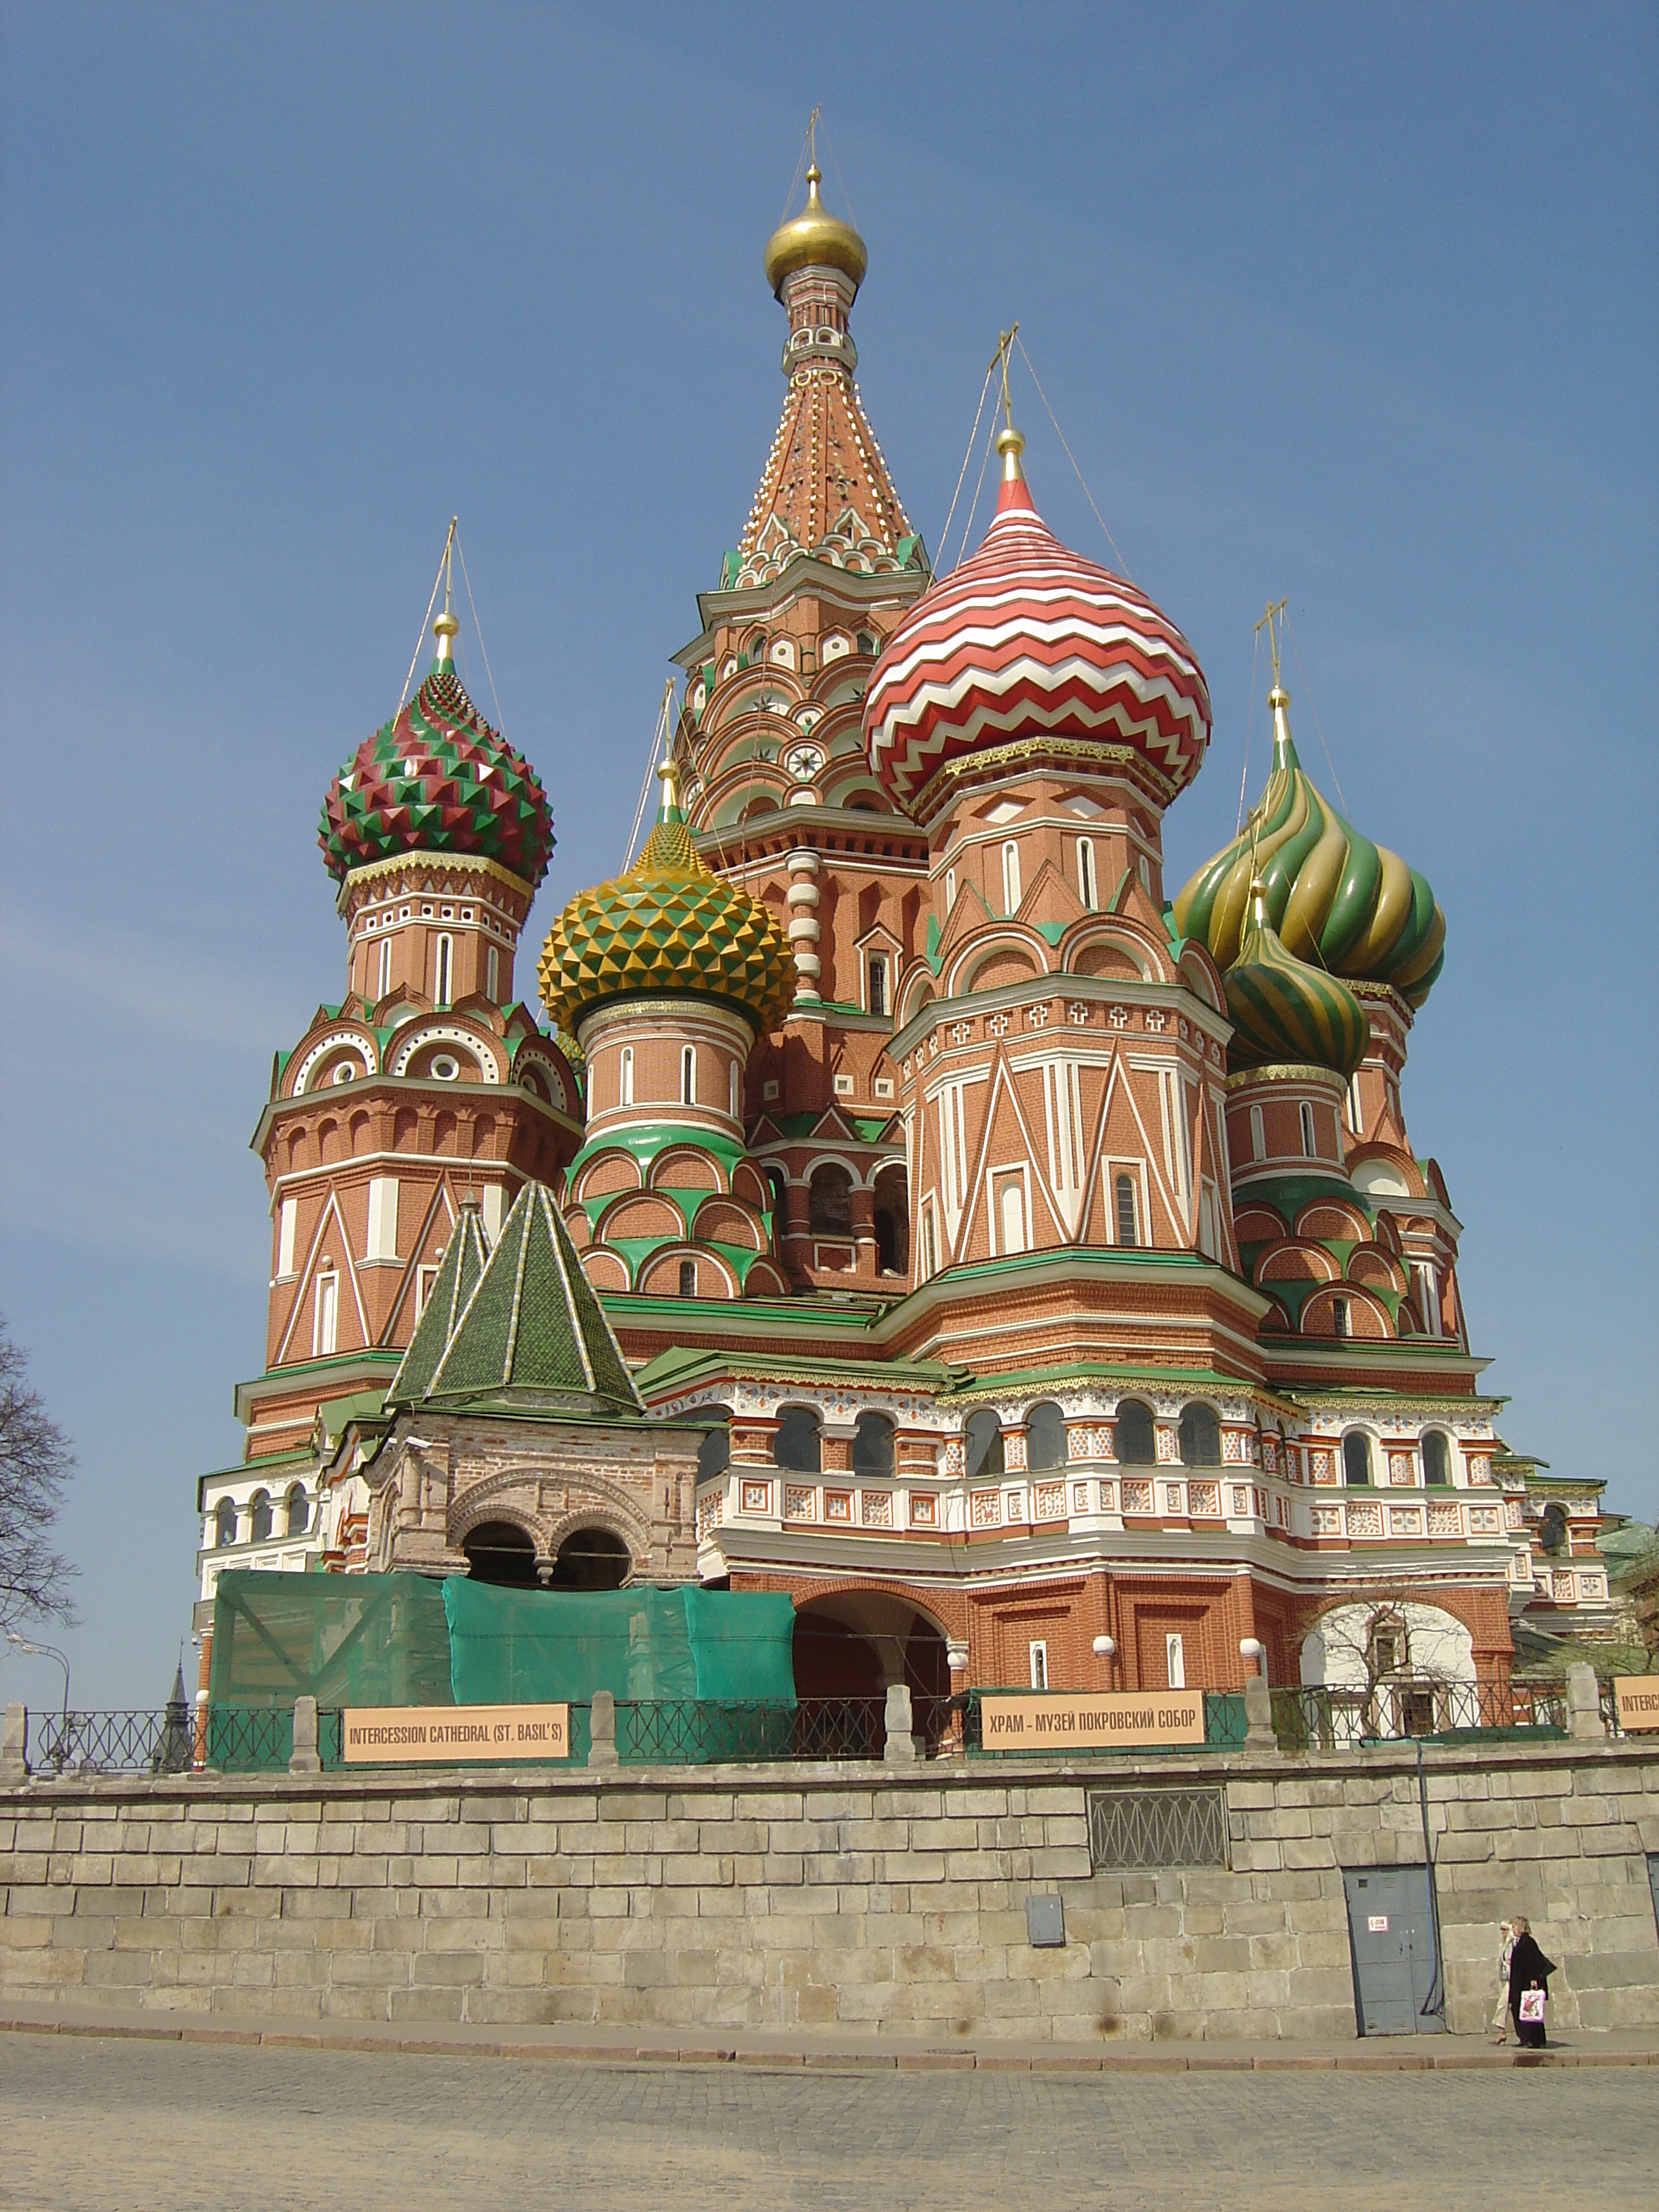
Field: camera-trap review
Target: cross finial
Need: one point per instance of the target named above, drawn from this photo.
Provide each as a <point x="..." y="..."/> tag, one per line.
<point x="445" y="627"/>
<point x="1272" y="622"/>
<point x="999" y="361"/>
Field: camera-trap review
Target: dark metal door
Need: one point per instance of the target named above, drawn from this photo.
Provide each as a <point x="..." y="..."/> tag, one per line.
<point x="1391" y="1932"/>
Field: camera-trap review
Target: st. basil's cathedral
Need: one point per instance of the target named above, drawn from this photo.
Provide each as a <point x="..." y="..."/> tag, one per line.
<point x="904" y="1203"/>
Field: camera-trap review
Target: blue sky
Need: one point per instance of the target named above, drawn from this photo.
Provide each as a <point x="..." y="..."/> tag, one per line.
<point x="1356" y="306"/>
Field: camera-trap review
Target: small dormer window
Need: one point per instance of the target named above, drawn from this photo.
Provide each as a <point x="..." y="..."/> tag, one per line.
<point x="878" y="983"/>
<point x="866" y="644"/>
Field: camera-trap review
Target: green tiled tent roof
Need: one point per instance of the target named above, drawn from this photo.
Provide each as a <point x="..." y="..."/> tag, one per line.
<point x="532" y="1328"/>
<point x="464" y="1263"/>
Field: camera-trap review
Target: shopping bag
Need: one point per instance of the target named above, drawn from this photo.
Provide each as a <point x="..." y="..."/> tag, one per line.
<point x="1532" y="2006"/>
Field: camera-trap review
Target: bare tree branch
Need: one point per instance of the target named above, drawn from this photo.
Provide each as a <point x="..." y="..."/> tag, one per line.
<point x="35" y="1464"/>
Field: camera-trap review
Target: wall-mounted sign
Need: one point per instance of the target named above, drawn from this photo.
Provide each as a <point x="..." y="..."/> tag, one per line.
<point x="1376" y="1923"/>
<point x="1093" y="1720"/>
<point x="1637" y="1698"/>
<point x="449" y="1735"/>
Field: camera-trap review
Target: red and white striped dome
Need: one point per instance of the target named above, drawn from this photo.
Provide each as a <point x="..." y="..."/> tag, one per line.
<point x="1029" y="640"/>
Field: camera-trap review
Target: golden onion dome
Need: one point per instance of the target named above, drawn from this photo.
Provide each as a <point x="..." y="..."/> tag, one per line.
<point x="1350" y="907"/>
<point x="1284" y="1010"/>
<point x="670" y="925"/>
<point x="814" y="238"/>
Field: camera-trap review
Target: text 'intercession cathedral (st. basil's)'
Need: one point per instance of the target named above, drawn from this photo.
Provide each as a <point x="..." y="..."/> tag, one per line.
<point x="907" y="1203"/>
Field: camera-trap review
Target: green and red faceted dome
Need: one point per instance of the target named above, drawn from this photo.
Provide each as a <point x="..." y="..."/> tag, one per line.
<point x="438" y="779"/>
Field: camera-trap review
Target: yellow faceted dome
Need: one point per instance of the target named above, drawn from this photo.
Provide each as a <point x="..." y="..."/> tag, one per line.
<point x="814" y="238"/>
<point x="669" y="924"/>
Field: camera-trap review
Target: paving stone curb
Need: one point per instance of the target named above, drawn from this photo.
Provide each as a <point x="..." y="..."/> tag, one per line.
<point x="1198" y="2060"/>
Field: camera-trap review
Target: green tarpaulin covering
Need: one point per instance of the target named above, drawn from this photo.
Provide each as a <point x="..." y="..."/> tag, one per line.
<point x="522" y="1647"/>
<point x="404" y="1639"/>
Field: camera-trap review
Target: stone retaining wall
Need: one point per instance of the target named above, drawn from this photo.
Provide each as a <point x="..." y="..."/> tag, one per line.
<point x="874" y="1899"/>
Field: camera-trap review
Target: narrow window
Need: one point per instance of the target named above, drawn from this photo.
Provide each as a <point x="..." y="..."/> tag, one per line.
<point x="1356" y="1115"/>
<point x="326" y="1324"/>
<point x="1010" y="1211"/>
<point x="1011" y="878"/>
<point x="260" y="1530"/>
<point x="1436" y="1461"/>
<point x="626" y="1090"/>
<point x="1309" y="1149"/>
<point x="732" y="1090"/>
<point x="382" y="1217"/>
<point x="929" y="1245"/>
<point x="224" y="1524"/>
<point x="1356" y="1459"/>
<point x="1339" y="1318"/>
<point x="287" y="1221"/>
<point x="688" y="1278"/>
<point x="1428" y="1293"/>
<point x="424" y="1278"/>
<point x="1175" y="1662"/>
<point x="949" y="889"/>
<point x="445" y="967"/>
<point x="689" y="1076"/>
<point x="1085" y="871"/>
<point x="1258" y="1135"/>
<point x="1126" y="1211"/>
<point x="1039" y="1666"/>
<point x="493" y="971"/>
<point x="299" y="1510"/>
<point x="386" y="968"/>
<point x="877" y="984"/>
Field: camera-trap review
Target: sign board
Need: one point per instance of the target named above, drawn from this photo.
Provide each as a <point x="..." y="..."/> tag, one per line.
<point x="1376" y="1923"/>
<point x="445" y="1736"/>
<point x="1638" y="1697"/>
<point x="1093" y="1720"/>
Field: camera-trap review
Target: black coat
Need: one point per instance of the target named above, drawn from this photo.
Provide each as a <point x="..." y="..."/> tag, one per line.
<point x="1528" y="1969"/>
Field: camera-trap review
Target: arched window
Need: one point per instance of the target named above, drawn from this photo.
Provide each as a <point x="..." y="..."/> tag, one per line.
<point x="873" y="1445"/>
<point x="1137" y="1441"/>
<point x="892" y="1217"/>
<point x="1436" y="1460"/>
<point x="1554" y="1529"/>
<point x="625" y="1085"/>
<point x="1011" y="878"/>
<point x="689" y="1076"/>
<point x="866" y="643"/>
<point x="224" y="1522"/>
<point x="878" y="983"/>
<point x="493" y="972"/>
<point x="983" y="1435"/>
<point x="949" y="888"/>
<point x="688" y="1278"/>
<point x="1045" y="1436"/>
<point x="829" y="1202"/>
<point x="1200" y="1436"/>
<point x="1126" y="1211"/>
<point x="386" y="968"/>
<point x="1085" y="871"/>
<point x="1258" y="1135"/>
<point x="299" y="1509"/>
<point x="445" y="969"/>
<point x="1357" y="1458"/>
<point x="734" y="1092"/>
<point x="1310" y="1149"/>
<point x="715" y="1452"/>
<point x="797" y="1447"/>
<point x="261" y="1516"/>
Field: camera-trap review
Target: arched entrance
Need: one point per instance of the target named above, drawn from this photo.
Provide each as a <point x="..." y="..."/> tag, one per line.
<point x="501" y="1552"/>
<point x="859" y="1643"/>
<point x="592" y="1560"/>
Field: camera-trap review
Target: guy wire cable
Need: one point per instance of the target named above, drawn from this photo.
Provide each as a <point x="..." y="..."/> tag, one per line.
<point x="1123" y="566"/>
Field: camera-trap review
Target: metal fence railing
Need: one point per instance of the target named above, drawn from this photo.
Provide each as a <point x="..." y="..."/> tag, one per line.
<point x="243" y="1739"/>
<point x="112" y="1743"/>
<point x="1332" y="1719"/>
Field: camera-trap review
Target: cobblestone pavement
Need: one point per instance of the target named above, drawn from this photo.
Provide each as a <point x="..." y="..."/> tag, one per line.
<point x="90" y="2125"/>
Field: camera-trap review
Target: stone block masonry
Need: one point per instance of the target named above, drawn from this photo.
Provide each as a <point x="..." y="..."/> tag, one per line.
<point x="872" y="1900"/>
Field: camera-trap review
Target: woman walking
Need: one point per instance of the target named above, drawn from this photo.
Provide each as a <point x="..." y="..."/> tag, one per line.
<point x="1500" y="2019"/>
<point x="1529" y="1976"/>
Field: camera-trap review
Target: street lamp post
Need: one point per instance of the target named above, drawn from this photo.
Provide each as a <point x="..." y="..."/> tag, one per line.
<point x="44" y="1652"/>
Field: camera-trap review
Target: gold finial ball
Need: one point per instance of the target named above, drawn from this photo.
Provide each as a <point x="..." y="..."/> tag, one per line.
<point x="815" y="239"/>
<point x="1279" y="697"/>
<point x="1010" y="441"/>
<point x="445" y="627"/>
